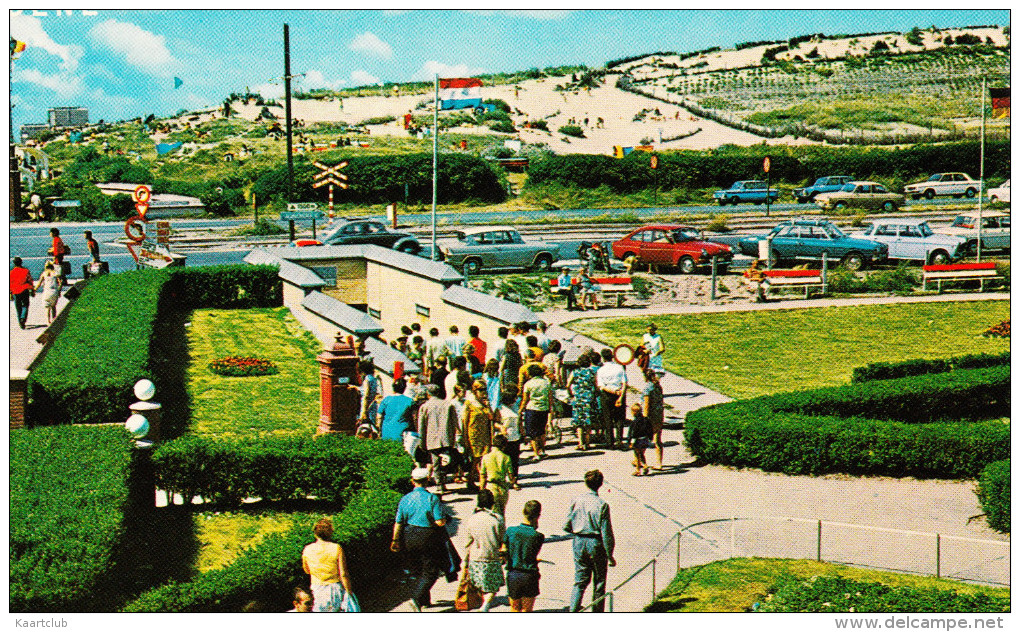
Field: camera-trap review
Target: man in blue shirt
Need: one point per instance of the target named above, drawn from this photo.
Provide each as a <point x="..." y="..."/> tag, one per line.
<point x="396" y="413"/>
<point x="589" y="522"/>
<point x="564" y="285"/>
<point x="419" y="530"/>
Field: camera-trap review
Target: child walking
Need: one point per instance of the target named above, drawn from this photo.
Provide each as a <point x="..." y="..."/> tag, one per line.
<point x="641" y="433"/>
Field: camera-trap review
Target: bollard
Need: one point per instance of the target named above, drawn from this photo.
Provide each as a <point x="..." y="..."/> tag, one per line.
<point x="825" y="273"/>
<point x="818" y="550"/>
<point x="653" y="579"/>
<point x="938" y="555"/>
<point x="715" y="259"/>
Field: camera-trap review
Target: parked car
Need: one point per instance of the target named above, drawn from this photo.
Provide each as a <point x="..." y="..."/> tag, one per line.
<point x="999" y="193"/>
<point x="954" y="184"/>
<point x="811" y="238"/>
<point x="994" y="230"/>
<point x="753" y="191"/>
<point x="914" y="240"/>
<point x="860" y="194"/>
<point x="496" y="247"/>
<point x="821" y="185"/>
<point x="364" y="231"/>
<point x="673" y="245"/>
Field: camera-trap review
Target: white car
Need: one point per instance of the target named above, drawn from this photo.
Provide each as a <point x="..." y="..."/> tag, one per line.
<point x="999" y="193"/>
<point x="994" y="230"/>
<point x="913" y="239"/>
<point x="954" y="184"/>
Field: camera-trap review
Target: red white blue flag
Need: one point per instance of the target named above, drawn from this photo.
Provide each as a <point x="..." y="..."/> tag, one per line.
<point x="455" y="94"/>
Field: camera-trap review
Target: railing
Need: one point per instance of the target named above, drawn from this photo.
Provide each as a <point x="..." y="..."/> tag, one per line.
<point x="901" y="550"/>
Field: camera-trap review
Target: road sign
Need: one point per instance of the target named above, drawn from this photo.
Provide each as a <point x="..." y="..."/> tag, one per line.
<point x="303" y="206"/>
<point x="301" y="215"/>
<point x="655" y="162"/>
<point x="65" y="203"/>
<point x="142" y="194"/>
<point x="766" y="164"/>
<point x="332" y="177"/>
<point x="142" y="208"/>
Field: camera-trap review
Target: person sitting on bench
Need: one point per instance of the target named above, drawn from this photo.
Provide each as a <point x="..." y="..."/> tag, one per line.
<point x="564" y="285"/>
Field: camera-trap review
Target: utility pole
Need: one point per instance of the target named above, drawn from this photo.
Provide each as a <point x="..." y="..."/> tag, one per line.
<point x="981" y="170"/>
<point x="286" y="93"/>
<point x="435" y="166"/>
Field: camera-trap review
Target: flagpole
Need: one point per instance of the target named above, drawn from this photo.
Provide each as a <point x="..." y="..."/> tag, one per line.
<point x="981" y="174"/>
<point x="435" y="171"/>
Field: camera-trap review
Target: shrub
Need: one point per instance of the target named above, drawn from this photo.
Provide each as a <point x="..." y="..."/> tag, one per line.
<point x="502" y="126"/>
<point x="378" y="120"/>
<point x="571" y="130"/>
<point x="993" y="491"/>
<point x="900" y="279"/>
<point x="892" y="370"/>
<point x="69" y="492"/>
<point x="539" y="124"/>
<point x="836" y="594"/>
<point x="898" y="427"/>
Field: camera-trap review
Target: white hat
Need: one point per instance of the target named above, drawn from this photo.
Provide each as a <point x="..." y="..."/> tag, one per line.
<point x="420" y="474"/>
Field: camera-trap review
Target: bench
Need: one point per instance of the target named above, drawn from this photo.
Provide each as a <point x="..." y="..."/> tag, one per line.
<point x="940" y="274"/>
<point x="608" y="286"/>
<point x="776" y="279"/>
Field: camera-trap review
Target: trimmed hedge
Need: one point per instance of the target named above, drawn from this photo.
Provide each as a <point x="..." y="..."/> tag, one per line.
<point x="122" y="330"/>
<point x="993" y="492"/>
<point x="836" y="594"/>
<point x="891" y="370"/>
<point x="371" y="482"/>
<point x="69" y="493"/>
<point x="898" y="427"/>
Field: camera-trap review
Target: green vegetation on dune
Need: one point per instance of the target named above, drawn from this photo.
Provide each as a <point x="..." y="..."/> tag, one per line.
<point x="745" y="354"/>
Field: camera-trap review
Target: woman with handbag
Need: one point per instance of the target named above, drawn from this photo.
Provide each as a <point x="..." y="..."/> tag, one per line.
<point x="324" y="562"/>
<point x="485" y="530"/>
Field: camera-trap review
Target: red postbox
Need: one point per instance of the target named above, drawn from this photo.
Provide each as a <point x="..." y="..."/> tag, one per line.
<point x="339" y="396"/>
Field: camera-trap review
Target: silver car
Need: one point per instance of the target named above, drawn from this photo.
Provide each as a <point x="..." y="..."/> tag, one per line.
<point x="994" y="230"/>
<point x="914" y="240"/>
<point x="496" y="247"/>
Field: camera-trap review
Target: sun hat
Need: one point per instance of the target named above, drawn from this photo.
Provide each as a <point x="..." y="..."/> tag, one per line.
<point x="420" y="474"/>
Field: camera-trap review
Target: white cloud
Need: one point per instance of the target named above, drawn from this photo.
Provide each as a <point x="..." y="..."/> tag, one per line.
<point x="140" y="48"/>
<point x="30" y="30"/>
<point x="362" y="78"/>
<point x="445" y="71"/>
<point x="315" y="79"/>
<point x="270" y="90"/>
<point x="64" y="85"/>
<point x="370" y="44"/>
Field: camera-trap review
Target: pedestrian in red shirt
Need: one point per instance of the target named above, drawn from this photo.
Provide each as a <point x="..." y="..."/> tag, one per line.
<point x="22" y="287"/>
<point x="477" y="343"/>
<point x="58" y="250"/>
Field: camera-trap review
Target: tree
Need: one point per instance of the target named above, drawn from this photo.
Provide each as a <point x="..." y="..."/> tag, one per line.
<point x="914" y="37"/>
<point x="227" y="111"/>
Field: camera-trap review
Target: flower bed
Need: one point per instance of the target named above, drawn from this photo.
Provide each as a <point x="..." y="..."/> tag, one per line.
<point x="240" y="366"/>
<point x="998" y="331"/>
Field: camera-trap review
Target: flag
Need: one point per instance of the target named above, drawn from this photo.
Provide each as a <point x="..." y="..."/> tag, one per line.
<point x="1000" y="102"/>
<point x="17" y="47"/>
<point x="178" y="82"/>
<point x="455" y="94"/>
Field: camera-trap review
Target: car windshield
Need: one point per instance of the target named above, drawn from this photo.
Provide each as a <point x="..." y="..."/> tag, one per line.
<point x="834" y="231"/>
<point x="686" y="234"/>
<point x="963" y="221"/>
<point x="935" y="177"/>
<point x="925" y="229"/>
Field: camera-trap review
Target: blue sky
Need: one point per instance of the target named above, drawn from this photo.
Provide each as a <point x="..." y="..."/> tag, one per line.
<point x="122" y="64"/>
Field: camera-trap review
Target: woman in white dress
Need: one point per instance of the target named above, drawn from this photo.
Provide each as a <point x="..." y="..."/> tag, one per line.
<point x="49" y="283"/>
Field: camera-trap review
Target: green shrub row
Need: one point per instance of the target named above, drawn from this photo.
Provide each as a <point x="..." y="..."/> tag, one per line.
<point x="688" y="169"/>
<point x="891" y="370"/>
<point x="379" y="475"/>
<point x="836" y="594"/>
<point x="119" y="332"/>
<point x="993" y="491"/>
<point x="901" y="427"/>
<point x="69" y="492"/>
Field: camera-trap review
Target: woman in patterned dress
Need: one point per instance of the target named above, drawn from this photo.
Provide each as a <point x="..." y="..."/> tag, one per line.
<point x="485" y="530"/>
<point x="478" y="426"/>
<point x="581" y="386"/>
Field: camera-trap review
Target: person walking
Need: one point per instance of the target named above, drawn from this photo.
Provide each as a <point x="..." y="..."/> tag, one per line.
<point x="454" y="342"/>
<point x="479" y="345"/>
<point x="655" y="346"/>
<point x="588" y="520"/>
<point x="395" y="413"/>
<point x="508" y="422"/>
<point x="58" y="249"/>
<point x="510" y="365"/>
<point x="497" y="473"/>
<point x="640" y="434"/>
<point x="490" y="375"/>
<point x="371" y="391"/>
<point x="324" y="562"/>
<point x="92" y="245"/>
<point x="522" y="545"/>
<point x="611" y="379"/>
<point x="653" y="408"/>
<point x="437" y="423"/>
<point x="419" y="531"/>
<point x="485" y="532"/>
<point x="478" y="429"/>
<point x="49" y="283"/>
<point x="536" y="402"/>
<point x="21" y="288"/>
<point x="584" y="405"/>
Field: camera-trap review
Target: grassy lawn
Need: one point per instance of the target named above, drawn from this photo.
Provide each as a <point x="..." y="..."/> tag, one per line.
<point x="287" y="402"/>
<point x="745" y="354"/>
<point x="735" y="585"/>
<point x="222" y="536"/>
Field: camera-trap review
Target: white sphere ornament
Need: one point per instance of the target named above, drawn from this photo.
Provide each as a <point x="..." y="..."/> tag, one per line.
<point x="145" y="390"/>
<point x="137" y="426"/>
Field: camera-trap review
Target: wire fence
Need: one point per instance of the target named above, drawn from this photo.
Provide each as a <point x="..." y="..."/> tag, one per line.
<point x="901" y="550"/>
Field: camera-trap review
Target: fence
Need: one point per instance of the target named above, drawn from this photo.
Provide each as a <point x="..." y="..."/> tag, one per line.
<point x="901" y="550"/>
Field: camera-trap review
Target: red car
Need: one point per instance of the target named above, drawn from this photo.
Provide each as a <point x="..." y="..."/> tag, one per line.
<point x="673" y="245"/>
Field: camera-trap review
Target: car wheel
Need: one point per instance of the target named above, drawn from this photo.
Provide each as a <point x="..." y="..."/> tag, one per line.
<point x="411" y="249"/>
<point x="543" y="263"/>
<point x="929" y="194"/>
<point x="889" y="207"/>
<point x="840" y="206"/>
<point x="939" y="258"/>
<point x="723" y="202"/>
<point x="853" y="262"/>
<point x="472" y="266"/>
<point x="803" y="200"/>
<point x="734" y="200"/>
<point x="970" y="192"/>
<point x="686" y="265"/>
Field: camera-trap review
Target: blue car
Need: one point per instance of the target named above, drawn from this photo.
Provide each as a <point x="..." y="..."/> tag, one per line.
<point x="752" y="191"/>
<point x="811" y="239"/>
<point x="821" y="185"/>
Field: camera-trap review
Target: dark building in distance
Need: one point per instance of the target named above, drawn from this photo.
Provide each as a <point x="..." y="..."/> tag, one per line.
<point x="68" y="117"/>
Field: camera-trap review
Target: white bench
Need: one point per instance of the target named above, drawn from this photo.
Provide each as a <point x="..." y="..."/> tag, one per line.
<point x="619" y="287"/>
<point x="807" y="279"/>
<point x="940" y="274"/>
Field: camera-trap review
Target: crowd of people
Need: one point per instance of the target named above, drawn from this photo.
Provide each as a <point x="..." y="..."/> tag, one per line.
<point x="53" y="277"/>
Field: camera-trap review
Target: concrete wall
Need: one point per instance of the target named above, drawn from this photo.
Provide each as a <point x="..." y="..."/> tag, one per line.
<point x="395" y="293"/>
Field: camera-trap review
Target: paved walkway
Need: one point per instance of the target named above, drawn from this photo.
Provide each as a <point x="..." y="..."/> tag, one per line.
<point x="24" y="344"/>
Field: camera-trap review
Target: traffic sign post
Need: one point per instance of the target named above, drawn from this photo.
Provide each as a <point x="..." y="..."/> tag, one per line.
<point x="767" y="166"/>
<point x="654" y="164"/>
<point x="331" y="176"/>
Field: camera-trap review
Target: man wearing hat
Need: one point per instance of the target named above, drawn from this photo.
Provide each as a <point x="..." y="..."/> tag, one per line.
<point x="419" y="530"/>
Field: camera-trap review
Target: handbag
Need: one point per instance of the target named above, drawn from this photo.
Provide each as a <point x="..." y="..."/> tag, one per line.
<point x="468" y="595"/>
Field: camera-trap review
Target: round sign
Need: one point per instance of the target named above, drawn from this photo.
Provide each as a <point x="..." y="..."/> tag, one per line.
<point x="623" y="354"/>
<point x="142" y="194"/>
<point x="767" y="164"/>
<point x="135" y="224"/>
<point x="655" y="162"/>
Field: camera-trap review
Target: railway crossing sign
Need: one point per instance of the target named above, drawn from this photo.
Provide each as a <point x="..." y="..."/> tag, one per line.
<point x="331" y="176"/>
